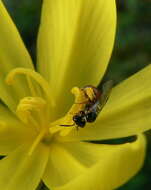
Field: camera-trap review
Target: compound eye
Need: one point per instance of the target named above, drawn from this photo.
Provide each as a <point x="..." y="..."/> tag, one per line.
<point x="79" y="120"/>
<point x="76" y="118"/>
<point x="91" y="117"/>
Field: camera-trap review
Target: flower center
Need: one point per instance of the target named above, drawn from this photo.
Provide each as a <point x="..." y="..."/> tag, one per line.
<point x="35" y="110"/>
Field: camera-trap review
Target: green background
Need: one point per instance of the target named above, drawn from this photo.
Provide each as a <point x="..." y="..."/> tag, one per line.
<point x="131" y="52"/>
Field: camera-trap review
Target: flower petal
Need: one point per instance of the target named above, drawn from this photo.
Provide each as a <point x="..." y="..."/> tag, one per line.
<point x="12" y="54"/>
<point x="127" y="112"/>
<point x="115" y="164"/>
<point x="12" y="132"/>
<point x="75" y="43"/>
<point x="57" y="172"/>
<point x="19" y="171"/>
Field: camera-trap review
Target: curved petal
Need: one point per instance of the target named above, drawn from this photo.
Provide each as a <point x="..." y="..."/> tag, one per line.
<point x="19" y="171"/>
<point x="106" y="169"/>
<point x="12" y="54"/>
<point x="61" y="167"/>
<point x="75" y="43"/>
<point x="127" y="112"/>
<point x="12" y="132"/>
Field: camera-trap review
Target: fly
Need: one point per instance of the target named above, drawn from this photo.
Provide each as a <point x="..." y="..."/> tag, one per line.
<point x="93" y="106"/>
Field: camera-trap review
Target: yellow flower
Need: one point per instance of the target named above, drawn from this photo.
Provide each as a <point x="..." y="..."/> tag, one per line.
<point x="74" y="46"/>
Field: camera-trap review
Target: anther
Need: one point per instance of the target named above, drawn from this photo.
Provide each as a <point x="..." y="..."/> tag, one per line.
<point x="36" y="76"/>
<point x="27" y="106"/>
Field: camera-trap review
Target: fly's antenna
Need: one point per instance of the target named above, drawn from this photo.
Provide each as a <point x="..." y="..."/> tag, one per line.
<point x="67" y="125"/>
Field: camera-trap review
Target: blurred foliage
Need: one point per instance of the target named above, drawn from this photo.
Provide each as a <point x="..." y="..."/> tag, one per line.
<point x="131" y="52"/>
<point x="132" y="46"/>
<point x="26" y="15"/>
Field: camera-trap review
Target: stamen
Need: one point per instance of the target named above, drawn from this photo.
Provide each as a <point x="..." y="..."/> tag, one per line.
<point x="36" y="76"/>
<point x="79" y="97"/>
<point x="63" y="131"/>
<point x="29" y="104"/>
<point x="31" y="87"/>
<point x="36" y="142"/>
<point x="90" y="93"/>
<point x="34" y="122"/>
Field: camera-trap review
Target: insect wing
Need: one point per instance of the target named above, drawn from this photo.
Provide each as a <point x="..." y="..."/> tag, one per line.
<point x="106" y="90"/>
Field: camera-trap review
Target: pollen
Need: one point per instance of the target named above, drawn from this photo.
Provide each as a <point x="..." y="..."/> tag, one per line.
<point x="67" y="120"/>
